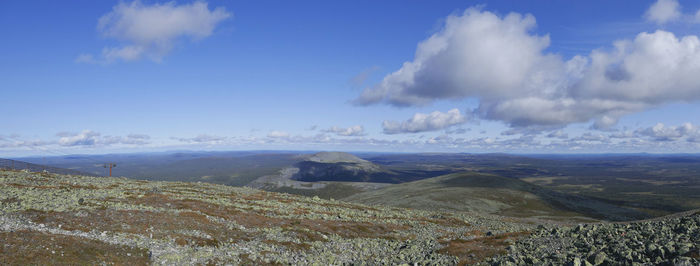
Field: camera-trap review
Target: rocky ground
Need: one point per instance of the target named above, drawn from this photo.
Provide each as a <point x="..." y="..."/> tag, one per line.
<point x="59" y="219"/>
<point x="62" y="219"/>
<point x="666" y="241"/>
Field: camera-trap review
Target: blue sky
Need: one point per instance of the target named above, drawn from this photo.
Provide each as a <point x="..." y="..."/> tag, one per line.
<point x="108" y="76"/>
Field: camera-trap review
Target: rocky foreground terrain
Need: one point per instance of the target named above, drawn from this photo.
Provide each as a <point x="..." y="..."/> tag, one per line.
<point x="61" y="219"/>
<point x="666" y="241"/>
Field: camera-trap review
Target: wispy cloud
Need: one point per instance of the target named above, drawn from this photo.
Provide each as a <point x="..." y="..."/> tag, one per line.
<point x="359" y="79"/>
<point x="203" y="139"/>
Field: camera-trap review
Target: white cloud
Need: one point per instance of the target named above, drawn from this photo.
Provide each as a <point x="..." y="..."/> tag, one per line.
<point x="278" y="134"/>
<point x="663" y="11"/>
<point x="152" y="30"/>
<point x="85" y="138"/>
<point x="588" y="137"/>
<point x="473" y="55"/>
<point x="661" y="132"/>
<point x="425" y="122"/>
<point x="524" y="86"/>
<point x="203" y="139"/>
<point x="356" y="130"/>
<point x="17" y="143"/>
<point x="131" y="139"/>
<point x="92" y="138"/>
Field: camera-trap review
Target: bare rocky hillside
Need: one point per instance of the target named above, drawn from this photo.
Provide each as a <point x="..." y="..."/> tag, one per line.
<point x="62" y="219"/>
<point x="48" y="218"/>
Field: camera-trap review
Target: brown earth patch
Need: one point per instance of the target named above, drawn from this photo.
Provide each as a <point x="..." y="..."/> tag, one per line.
<point x="477" y="249"/>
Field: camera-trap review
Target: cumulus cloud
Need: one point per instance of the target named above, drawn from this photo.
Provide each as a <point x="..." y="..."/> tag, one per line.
<point x="524" y="86"/>
<point x="661" y="132"/>
<point x="425" y="122"/>
<point x="92" y="138"/>
<point x="85" y="138"/>
<point x="356" y="130"/>
<point x="663" y="11"/>
<point x="152" y="30"/>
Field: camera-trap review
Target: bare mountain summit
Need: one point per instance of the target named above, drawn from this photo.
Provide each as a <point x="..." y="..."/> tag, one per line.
<point x="339" y="166"/>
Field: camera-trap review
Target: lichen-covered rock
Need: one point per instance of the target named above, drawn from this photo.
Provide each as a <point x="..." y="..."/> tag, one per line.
<point x="668" y="241"/>
<point x="175" y="223"/>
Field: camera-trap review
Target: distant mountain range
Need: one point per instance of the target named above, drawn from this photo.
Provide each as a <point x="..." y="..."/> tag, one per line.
<point x="607" y="187"/>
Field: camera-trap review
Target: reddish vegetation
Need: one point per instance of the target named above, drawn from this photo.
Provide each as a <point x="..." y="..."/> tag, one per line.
<point x="249" y="218"/>
<point x="159" y="225"/>
<point x="480" y="248"/>
<point x="168" y="226"/>
<point x="36" y="248"/>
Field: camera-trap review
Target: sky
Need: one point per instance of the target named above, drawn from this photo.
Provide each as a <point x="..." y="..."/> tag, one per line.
<point x="96" y="77"/>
